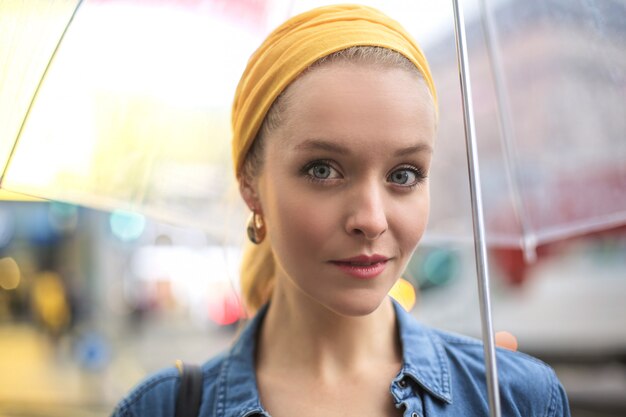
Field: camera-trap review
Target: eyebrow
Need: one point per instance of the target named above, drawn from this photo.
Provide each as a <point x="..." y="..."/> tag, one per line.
<point x="422" y="147"/>
<point x="324" y="145"/>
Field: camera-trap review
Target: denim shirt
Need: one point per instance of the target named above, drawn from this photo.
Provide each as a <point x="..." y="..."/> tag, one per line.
<point x="442" y="374"/>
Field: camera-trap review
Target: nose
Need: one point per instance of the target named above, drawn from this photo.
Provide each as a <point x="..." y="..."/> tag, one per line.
<point x="367" y="216"/>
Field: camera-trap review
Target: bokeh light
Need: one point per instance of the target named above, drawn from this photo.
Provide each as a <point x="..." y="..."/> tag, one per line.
<point x="63" y="217"/>
<point x="127" y="226"/>
<point x="506" y="340"/>
<point x="9" y="274"/>
<point x="439" y="267"/>
<point x="92" y="351"/>
<point x="50" y="301"/>
<point x="404" y="293"/>
<point x="433" y="266"/>
<point x="224" y="306"/>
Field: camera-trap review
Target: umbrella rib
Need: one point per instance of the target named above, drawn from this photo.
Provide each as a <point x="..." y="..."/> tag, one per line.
<point x="507" y="133"/>
<point x="480" y="245"/>
<point x="32" y="101"/>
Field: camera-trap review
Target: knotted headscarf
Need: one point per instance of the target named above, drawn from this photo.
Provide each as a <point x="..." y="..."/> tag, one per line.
<point x="286" y="53"/>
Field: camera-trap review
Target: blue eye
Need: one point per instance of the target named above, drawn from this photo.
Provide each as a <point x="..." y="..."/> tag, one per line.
<point x="406" y="177"/>
<point x="321" y="171"/>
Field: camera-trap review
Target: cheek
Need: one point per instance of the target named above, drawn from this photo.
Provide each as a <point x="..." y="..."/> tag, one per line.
<point x="410" y="221"/>
<point x="298" y="221"/>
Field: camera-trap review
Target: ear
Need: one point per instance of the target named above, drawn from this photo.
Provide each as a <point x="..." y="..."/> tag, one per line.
<point x="248" y="189"/>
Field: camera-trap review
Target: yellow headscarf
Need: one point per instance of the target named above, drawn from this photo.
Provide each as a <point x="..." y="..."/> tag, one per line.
<point x="286" y="53"/>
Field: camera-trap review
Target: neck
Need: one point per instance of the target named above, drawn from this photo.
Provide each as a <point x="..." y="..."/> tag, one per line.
<point x="300" y="334"/>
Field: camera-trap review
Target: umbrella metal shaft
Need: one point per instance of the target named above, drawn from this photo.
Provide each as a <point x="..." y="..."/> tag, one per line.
<point x="480" y="245"/>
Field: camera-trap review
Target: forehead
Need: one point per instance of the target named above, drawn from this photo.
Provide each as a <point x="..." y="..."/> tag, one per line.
<point x="356" y="106"/>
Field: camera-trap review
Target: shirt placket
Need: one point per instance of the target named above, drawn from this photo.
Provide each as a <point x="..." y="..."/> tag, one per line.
<point x="407" y="396"/>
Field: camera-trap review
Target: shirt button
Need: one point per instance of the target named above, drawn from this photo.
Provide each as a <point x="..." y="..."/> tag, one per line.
<point x="402" y="384"/>
<point x="414" y="414"/>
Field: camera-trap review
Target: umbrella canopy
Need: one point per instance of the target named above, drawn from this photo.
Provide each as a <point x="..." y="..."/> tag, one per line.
<point x="29" y="34"/>
<point x="124" y="105"/>
<point x="551" y="73"/>
<point x="129" y="109"/>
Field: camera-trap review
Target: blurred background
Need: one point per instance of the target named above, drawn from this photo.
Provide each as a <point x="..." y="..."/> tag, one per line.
<point x="121" y="228"/>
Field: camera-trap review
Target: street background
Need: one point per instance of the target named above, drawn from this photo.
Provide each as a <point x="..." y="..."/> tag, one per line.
<point x="121" y="227"/>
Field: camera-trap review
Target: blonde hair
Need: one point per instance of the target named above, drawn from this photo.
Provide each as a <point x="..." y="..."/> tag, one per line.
<point x="258" y="266"/>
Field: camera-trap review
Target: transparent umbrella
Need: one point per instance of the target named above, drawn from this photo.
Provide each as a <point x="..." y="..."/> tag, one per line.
<point x="558" y="99"/>
<point x="127" y="108"/>
<point x="549" y="114"/>
<point x="124" y="105"/>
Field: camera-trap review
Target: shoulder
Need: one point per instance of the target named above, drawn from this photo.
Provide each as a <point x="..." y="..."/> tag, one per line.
<point x="528" y="386"/>
<point x="155" y="396"/>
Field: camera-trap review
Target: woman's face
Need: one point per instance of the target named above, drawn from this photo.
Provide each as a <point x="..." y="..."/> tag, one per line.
<point x="343" y="188"/>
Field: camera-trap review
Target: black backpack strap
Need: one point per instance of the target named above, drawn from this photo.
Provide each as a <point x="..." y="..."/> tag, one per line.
<point x="190" y="390"/>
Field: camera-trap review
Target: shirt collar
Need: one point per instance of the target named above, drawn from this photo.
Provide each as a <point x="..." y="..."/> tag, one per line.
<point x="424" y="361"/>
<point x="237" y="388"/>
<point x="423" y="356"/>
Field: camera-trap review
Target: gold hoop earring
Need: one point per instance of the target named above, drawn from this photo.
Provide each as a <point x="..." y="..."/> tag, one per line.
<point x="256" y="228"/>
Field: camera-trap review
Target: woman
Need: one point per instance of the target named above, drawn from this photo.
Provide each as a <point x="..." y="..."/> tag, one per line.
<point x="334" y="124"/>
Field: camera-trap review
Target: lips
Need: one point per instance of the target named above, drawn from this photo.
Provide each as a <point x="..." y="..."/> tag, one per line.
<point x="362" y="266"/>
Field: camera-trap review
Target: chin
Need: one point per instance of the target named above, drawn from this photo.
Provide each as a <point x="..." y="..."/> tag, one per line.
<point x="357" y="306"/>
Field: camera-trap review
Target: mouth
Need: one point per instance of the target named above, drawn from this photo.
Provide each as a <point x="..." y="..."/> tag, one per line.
<point x="362" y="266"/>
<point x="362" y="260"/>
